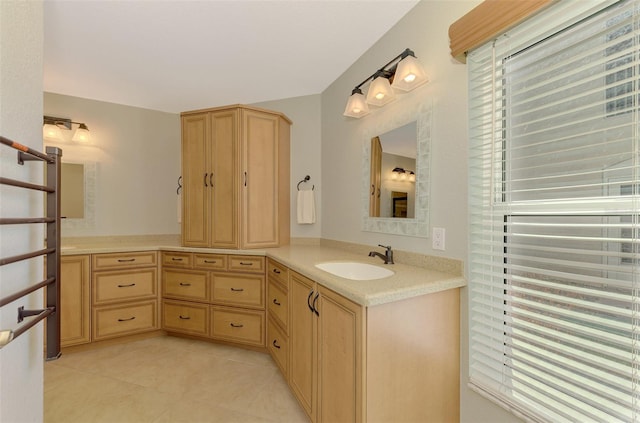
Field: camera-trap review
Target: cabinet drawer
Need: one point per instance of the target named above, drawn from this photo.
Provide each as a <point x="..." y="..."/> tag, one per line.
<point x="210" y="261"/>
<point x="238" y="290"/>
<point x="185" y="284"/>
<point x="278" y="272"/>
<point x="278" y="304"/>
<point x="177" y="259"/>
<point x="185" y="317"/>
<point x="124" y="260"/>
<point x="123" y="286"/>
<point x="242" y="326"/>
<point x="119" y="320"/>
<point x="254" y="264"/>
<point x="278" y="346"/>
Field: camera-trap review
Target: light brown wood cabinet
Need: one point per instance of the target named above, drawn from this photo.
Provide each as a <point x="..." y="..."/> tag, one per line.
<point x="216" y="296"/>
<point x="124" y="292"/>
<point x="278" y="314"/>
<point x="235" y="170"/>
<point x="392" y="362"/>
<point x="75" y="300"/>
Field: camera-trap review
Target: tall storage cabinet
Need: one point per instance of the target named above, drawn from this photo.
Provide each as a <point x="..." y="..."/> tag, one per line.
<point x="235" y="169"/>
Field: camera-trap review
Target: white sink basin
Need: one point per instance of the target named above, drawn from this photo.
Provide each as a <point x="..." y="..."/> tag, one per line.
<point x="356" y="271"/>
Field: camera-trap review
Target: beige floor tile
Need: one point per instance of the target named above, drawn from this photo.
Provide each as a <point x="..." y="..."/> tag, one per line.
<point x="167" y="379"/>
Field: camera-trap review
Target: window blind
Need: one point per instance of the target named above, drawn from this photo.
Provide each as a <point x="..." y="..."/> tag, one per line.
<point x="554" y="203"/>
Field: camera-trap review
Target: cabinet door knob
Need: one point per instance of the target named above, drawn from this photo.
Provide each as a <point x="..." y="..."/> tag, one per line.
<point x="315" y="300"/>
<point x="176" y="258"/>
<point x="242" y="263"/>
<point x="210" y="261"/>
<point x="276" y="271"/>
<point x="126" y="286"/>
<point x="275" y="301"/>
<point x="233" y="325"/>
<point x="275" y="344"/>
<point x="185" y="284"/>
<point x="237" y="289"/>
<point x="126" y="260"/>
<point x="205" y="179"/>
<point x="126" y="320"/>
<point x="184" y="317"/>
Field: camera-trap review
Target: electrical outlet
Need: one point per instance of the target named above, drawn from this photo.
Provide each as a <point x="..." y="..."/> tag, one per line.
<point x="438" y="239"/>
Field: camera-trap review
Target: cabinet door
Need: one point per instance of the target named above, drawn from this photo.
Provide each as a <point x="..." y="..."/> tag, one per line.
<point x="340" y="358"/>
<point x="75" y="313"/>
<point x="196" y="180"/>
<point x="224" y="166"/>
<point x="302" y="344"/>
<point x="260" y="179"/>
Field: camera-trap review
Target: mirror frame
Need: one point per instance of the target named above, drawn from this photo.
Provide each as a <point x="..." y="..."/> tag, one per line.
<point x="88" y="221"/>
<point x="418" y="226"/>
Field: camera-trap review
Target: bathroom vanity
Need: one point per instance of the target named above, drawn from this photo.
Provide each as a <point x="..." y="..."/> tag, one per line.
<point x="351" y="350"/>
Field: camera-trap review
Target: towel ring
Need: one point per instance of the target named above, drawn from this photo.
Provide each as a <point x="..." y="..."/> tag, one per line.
<point x="305" y="180"/>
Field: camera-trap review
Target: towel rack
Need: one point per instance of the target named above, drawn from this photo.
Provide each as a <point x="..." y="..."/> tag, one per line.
<point x="305" y="180"/>
<point x="51" y="252"/>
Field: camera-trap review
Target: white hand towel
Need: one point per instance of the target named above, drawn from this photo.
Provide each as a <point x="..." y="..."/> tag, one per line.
<point x="306" y="207"/>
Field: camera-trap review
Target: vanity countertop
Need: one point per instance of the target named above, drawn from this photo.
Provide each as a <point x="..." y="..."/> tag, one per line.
<point x="407" y="281"/>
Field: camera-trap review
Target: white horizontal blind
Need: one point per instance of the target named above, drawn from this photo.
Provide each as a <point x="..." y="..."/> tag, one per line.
<point x="554" y="200"/>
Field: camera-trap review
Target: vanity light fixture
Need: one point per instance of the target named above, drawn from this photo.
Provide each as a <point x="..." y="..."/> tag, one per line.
<point x="401" y="174"/>
<point x="403" y="72"/>
<point x="52" y="129"/>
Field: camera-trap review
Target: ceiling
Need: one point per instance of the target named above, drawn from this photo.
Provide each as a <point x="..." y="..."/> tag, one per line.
<point x="178" y="55"/>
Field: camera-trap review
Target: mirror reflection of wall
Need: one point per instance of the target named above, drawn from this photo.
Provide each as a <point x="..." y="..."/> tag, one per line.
<point x="72" y="190"/>
<point x="397" y="150"/>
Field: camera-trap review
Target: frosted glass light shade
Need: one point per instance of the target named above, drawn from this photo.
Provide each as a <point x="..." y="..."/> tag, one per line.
<point x="51" y="132"/>
<point x="82" y="134"/>
<point x="380" y="92"/>
<point x="356" y="106"/>
<point x="409" y="74"/>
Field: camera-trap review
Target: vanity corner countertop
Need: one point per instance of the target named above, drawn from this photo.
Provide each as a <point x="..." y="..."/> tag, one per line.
<point x="406" y="282"/>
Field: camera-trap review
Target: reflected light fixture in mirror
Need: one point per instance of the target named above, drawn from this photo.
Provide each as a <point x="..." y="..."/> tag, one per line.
<point x="52" y="129"/>
<point x="404" y="70"/>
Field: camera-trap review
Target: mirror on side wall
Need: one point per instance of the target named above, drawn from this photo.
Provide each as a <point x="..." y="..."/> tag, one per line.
<point x="72" y="192"/>
<point x="396" y="174"/>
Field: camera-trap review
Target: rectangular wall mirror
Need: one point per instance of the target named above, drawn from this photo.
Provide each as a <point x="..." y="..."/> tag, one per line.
<point x="72" y="191"/>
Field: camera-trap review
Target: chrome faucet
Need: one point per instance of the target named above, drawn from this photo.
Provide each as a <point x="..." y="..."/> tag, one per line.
<point x="387" y="256"/>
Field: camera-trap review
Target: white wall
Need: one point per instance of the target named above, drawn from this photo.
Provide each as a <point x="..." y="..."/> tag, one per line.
<point x="137" y="157"/>
<point x="425" y="30"/>
<point x="305" y="154"/>
<point x="21" y="61"/>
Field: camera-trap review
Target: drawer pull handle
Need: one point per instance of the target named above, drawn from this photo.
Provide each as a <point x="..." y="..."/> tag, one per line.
<point x="233" y="325"/>
<point x="125" y="260"/>
<point x="126" y="320"/>
<point x="275" y="344"/>
<point x="126" y="286"/>
<point x="276" y="271"/>
<point x="237" y="289"/>
<point x="184" y="317"/>
<point x="211" y="261"/>
<point x="185" y="284"/>
<point x="242" y="263"/>
<point x="275" y="301"/>
<point x="176" y="258"/>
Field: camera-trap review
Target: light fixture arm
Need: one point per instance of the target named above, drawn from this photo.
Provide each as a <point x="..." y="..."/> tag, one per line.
<point x="383" y="71"/>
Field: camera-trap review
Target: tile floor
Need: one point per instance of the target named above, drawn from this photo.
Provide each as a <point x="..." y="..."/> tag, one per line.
<point x="167" y="379"/>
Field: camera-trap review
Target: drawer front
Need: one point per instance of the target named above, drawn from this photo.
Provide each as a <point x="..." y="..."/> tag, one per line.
<point x="109" y="287"/>
<point x="185" y="318"/>
<point x="278" y="272"/>
<point x="184" y="284"/>
<point x="243" y="326"/>
<point x="210" y="261"/>
<point x="124" y="260"/>
<point x="278" y="346"/>
<point x="278" y="304"/>
<point x="238" y="290"/>
<point x="177" y="259"/>
<point x="254" y="264"/>
<point x="112" y="321"/>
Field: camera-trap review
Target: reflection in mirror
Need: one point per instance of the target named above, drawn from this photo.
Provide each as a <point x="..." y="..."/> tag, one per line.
<point x="391" y="213"/>
<point x="72" y="191"/>
<point x="393" y="164"/>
